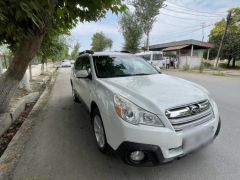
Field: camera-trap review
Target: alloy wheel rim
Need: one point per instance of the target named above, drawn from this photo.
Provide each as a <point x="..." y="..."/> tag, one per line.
<point x="99" y="131"/>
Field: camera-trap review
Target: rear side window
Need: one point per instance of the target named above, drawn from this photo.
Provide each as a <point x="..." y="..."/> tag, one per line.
<point x="147" y="57"/>
<point x="86" y="64"/>
<point x="78" y="64"/>
<point x="82" y="63"/>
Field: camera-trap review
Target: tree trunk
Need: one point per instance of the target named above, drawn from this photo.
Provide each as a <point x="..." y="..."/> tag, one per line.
<point x="30" y="71"/>
<point x="5" y="61"/>
<point x="15" y="72"/>
<point x="234" y="62"/>
<point x="228" y="64"/>
<point x="1" y="67"/>
<point x="42" y="65"/>
<point x="42" y="68"/>
<point x="147" y="42"/>
<point x="25" y="82"/>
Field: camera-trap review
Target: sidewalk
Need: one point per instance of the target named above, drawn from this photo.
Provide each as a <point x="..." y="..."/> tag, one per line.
<point x="23" y="97"/>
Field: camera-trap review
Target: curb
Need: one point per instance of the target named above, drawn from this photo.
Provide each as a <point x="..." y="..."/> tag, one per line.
<point x="8" y="118"/>
<point x="15" y="148"/>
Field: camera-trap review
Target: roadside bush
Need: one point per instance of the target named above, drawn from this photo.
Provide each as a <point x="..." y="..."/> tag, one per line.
<point x="186" y="67"/>
<point x="201" y="67"/>
<point x="218" y="73"/>
<point x="207" y="64"/>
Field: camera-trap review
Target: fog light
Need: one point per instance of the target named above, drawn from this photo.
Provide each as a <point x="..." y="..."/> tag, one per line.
<point x="137" y="156"/>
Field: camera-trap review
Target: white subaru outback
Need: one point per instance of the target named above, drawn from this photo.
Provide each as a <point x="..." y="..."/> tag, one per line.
<point x="145" y="116"/>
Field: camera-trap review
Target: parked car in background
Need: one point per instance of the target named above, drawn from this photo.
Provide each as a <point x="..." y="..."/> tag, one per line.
<point x="66" y="63"/>
<point x="153" y="57"/>
<point x="146" y="117"/>
<point x="72" y="61"/>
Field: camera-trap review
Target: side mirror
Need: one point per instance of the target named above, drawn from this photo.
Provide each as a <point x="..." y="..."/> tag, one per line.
<point x="82" y="74"/>
<point x="158" y="69"/>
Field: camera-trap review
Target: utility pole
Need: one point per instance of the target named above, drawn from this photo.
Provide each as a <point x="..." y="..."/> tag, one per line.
<point x="224" y="33"/>
<point x="203" y="33"/>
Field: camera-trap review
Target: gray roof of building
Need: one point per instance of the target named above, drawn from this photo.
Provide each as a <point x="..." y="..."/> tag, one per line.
<point x="181" y="43"/>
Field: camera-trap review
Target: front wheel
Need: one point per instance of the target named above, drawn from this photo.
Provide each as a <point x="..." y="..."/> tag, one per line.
<point x="99" y="131"/>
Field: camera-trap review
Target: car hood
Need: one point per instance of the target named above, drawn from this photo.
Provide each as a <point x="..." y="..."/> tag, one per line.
<point x="158" y="91"/>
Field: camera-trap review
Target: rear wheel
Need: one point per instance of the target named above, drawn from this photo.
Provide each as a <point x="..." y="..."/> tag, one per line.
<point x="99" y="131"/>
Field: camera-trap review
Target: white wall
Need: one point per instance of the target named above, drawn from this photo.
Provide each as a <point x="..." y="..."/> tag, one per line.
<point x="193" y="62"/>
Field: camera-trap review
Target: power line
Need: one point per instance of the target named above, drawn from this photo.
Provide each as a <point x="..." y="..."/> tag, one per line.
<point x="177" y="25"/>
<point x="187" y="8"/>
<point x="183" y="18"/>
<point x="182" y="12"/>
<point x="193" y="30"/>
<point x="185" y="33"/>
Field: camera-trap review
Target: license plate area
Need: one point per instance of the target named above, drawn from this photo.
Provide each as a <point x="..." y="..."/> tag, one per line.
<point x="195" y="140"/>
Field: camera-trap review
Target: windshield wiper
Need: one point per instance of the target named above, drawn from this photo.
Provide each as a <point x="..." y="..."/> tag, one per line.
<point x="125" y="75"/>
<point x="140" y="74"/>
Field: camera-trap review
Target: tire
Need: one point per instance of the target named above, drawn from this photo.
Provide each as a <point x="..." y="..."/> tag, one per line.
<point x="218" y="128"/>
<point x="99" y="131"/>
<point x="74" y="95"/>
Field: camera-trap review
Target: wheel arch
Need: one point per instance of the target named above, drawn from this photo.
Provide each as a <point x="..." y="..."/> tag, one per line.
<point x="92" y="107"/>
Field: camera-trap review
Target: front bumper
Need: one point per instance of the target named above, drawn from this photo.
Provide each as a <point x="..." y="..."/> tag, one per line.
<point x="153" y="153"/>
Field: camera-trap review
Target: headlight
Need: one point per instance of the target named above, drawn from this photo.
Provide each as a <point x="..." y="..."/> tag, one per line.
<point x="133" y="114"/>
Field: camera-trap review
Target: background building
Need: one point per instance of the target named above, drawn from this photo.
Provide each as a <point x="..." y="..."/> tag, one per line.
<point x="188" y="52"/>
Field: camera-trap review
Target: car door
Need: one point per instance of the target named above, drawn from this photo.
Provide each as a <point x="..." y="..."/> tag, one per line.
<point x="84" y="84"/>
<point x="76" y="82"/>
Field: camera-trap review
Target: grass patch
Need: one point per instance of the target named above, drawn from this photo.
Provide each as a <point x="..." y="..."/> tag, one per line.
<point x="218" y="73"/>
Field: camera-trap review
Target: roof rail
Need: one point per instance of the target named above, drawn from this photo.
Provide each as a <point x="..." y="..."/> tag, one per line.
<point x="124" y="51"/>
<point x="86" y="52"/>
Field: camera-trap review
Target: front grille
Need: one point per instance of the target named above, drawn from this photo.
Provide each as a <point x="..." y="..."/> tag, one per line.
<point x="190" y="115"/>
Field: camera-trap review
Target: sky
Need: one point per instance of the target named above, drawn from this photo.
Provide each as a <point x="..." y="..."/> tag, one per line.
<point x="178" y="20"/>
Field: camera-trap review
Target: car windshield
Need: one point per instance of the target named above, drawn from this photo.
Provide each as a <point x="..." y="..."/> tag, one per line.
<point x="117" y="66"/>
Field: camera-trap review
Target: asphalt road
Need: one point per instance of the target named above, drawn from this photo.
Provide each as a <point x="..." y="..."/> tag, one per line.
<point x="62" y="144"/>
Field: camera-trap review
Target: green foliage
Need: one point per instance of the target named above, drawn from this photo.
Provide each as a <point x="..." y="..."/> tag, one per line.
<point x="6" y="51"/>
<point x="53" y="47"/>
<point x="147" y="11"/>
<point x="132" y="32"/>
<point x="63" y="51"/>
<point x="207" y="64"/>
<point x="186" y="67"/>
<point x="24" y="24"/>
<point x="6" y="56"/>
<point x="20" y="20"/>
<point x="75" y="51"/>
<point x="169" y="54"/>
<point x="231" y="44"/>
<point x="201" y="67"/>
<point x="100" y="42"/>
